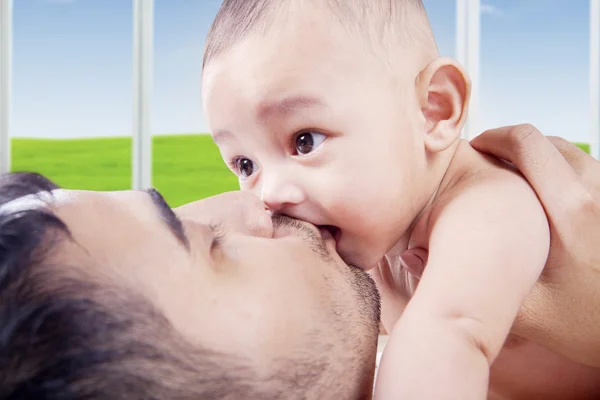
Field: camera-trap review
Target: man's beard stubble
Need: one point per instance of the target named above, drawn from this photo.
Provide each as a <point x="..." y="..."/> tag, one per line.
<point x="361" y="282"/>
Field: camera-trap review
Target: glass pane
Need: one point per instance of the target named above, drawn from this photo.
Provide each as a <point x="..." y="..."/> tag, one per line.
<point x="442" y="17"/>
<point x="187" y="164"/>
<point x="534" y="65"/>
<point x="72" y="91"/>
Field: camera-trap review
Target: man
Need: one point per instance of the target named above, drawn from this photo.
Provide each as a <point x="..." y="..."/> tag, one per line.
<point x="117" y="296"/>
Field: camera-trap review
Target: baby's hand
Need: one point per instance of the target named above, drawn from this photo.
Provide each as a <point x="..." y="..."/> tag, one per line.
<point x="414" y="260"/>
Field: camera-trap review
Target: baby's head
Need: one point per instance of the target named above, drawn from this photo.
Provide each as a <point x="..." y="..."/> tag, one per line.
<point x="338" y="112"/>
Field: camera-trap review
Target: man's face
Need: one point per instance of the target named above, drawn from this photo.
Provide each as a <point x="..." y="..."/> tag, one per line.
<point x="313" y="122"/>
<point x="228" y="278"/>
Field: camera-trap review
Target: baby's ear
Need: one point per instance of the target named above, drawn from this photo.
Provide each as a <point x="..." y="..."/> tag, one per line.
<point x="443" y="89"/>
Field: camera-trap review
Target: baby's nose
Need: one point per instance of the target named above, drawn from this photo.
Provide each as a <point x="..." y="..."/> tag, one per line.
<point x="278" y="195"/>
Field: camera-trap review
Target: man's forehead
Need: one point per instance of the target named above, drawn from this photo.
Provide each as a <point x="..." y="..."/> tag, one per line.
<point x="35" y="201"/>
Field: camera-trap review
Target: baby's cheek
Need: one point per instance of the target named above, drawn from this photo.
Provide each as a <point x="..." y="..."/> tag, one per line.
<point x="352" y="201"/>
<point x="354" y="217"/>
<point x="341" y="207"/>
<point x="361" y="213"/>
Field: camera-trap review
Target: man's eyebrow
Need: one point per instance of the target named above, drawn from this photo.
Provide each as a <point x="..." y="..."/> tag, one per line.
<point x="167" y="214"/>
<point x="288" y="105"/>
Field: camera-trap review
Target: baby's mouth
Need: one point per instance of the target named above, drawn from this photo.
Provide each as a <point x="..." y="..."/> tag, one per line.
<point x="330" y="230"/>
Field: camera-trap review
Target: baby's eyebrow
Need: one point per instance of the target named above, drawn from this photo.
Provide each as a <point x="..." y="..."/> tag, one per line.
<point x="287" y="105"/>
<point x="278" y="108"/>
<point x="221" y="136"/>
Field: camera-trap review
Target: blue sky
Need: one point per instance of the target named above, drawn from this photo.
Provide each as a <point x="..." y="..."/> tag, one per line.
<point x="73" y="65"/>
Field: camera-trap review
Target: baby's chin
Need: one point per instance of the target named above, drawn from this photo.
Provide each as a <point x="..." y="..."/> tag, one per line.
<point x="352" y="253"/>
<point x="353" y="249"/>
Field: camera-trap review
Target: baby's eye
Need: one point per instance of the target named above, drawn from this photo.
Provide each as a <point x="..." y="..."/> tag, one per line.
<point x="244" y="167"/>
<point x="306" y="142"/>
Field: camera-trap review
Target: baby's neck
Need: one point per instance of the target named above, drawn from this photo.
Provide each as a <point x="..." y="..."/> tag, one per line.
<point x="446" y="170"/>
<point x="458" y="164"/>
<point x="391" y="278"/>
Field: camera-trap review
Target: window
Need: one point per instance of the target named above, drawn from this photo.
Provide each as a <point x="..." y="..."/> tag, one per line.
<point x="187" y="165"/>
<point x="442" y="18"/>
<point x="72" y="91"/>
<point x="534" y="66"/>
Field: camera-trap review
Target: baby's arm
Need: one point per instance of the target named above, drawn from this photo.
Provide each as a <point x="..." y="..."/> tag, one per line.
<point x="487" y="247"/>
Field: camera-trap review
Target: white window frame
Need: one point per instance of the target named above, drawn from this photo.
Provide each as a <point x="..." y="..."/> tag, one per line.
<point x="143" y="46"/>
<point x="6" y="30"/>
<point x="594" y="79"/>
<point x="467" y="53"/>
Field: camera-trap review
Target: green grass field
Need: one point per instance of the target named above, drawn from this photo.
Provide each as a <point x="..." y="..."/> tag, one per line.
<point x="185" y="167"/>
<point x="584" y="146"/>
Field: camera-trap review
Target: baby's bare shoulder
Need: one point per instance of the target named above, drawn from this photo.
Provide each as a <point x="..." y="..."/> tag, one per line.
<point x="490" y="177"/>
<point x="487" y="184"/>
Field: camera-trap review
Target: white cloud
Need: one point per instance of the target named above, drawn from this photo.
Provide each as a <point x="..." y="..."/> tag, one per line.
<point x="489" y="9"/>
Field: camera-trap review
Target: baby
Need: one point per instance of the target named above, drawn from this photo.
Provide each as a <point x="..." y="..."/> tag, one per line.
<point x="342" y="113"/>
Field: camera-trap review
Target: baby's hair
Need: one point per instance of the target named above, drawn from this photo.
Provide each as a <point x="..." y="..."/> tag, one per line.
<point x="389" y="23"/>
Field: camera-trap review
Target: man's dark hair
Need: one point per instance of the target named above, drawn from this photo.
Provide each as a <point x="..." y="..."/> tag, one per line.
<point x="379" y="21"/>
<point x="64" y="336"/>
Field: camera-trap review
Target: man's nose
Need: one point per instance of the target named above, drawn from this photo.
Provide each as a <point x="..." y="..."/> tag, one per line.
<point x="241" y="212"/>
<point x="279" y="193"/>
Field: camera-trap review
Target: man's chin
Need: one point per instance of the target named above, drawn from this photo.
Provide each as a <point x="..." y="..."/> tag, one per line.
<point x="368" y="295"/>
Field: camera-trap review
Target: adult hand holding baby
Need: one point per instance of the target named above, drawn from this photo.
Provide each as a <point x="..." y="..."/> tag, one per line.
<point x="563" y="310"/>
